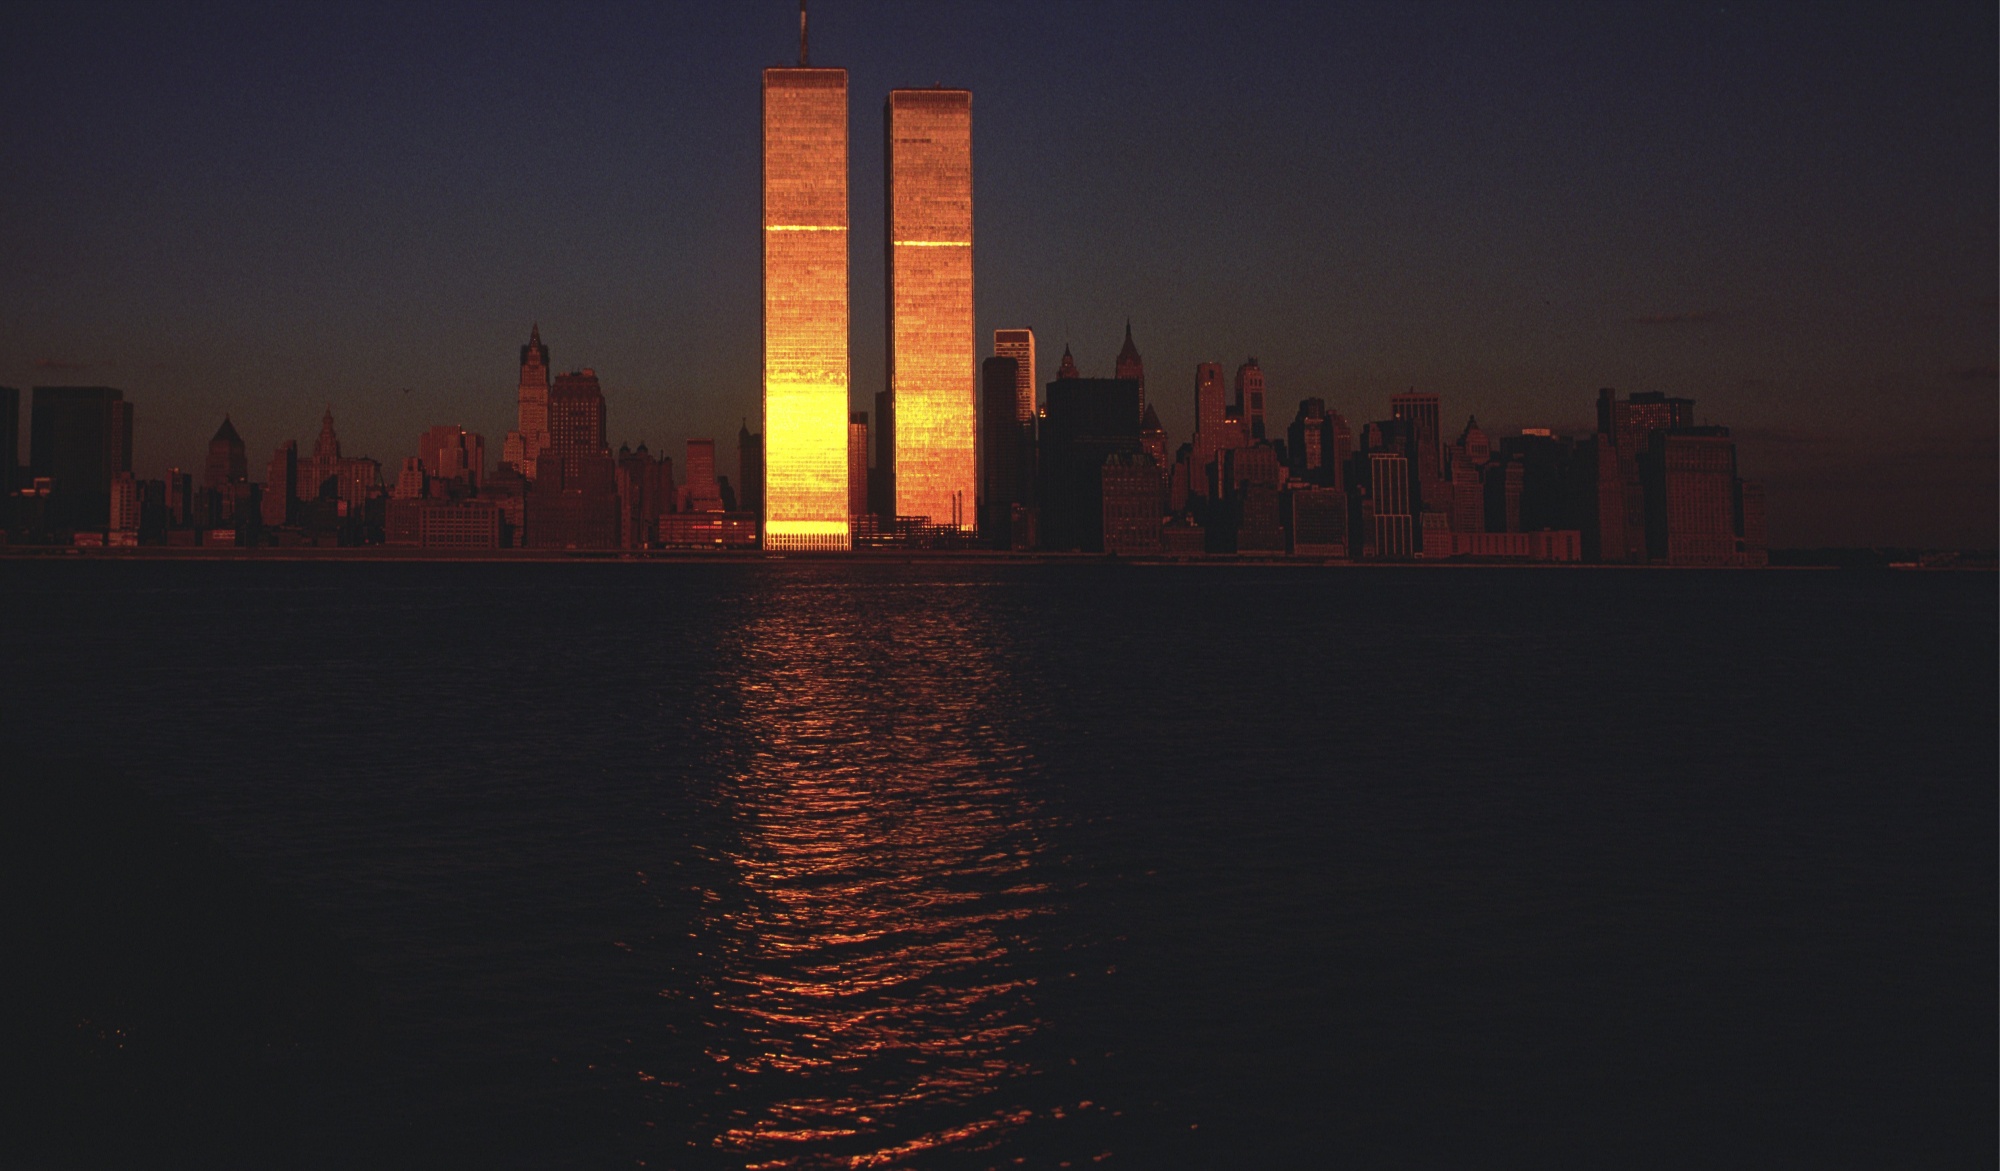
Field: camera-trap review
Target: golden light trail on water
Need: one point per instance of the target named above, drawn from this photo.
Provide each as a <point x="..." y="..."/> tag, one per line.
<point x="863" y="993"/>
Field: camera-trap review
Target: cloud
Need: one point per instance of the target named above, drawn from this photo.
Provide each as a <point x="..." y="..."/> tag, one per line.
<point x="59" y="364"/>
<point x="1691" y="317"/>
<point x="1986" y="373"/>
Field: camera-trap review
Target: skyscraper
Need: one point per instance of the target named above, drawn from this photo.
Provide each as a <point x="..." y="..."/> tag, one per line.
<point x="932" y="359"/>
<point x="1216" y="427"/>
<point x="1422" y="411"/>
<point x="1089" y="420"/>
<point x="576" y="420"/>
<point x="999" y="448"/>
<point x="533" y="404"/>
<point x="227" y="476"/>
<point x="1019" y="344"/>
<point x="701" y="492"/>
<point x="1131" y="366"/>
<point x="1250" y="398"/>
<point x="281" y="485"/>
<point x="325" y="463"/>
<point x="80" y="437"/>
<point x="805" y="308"/>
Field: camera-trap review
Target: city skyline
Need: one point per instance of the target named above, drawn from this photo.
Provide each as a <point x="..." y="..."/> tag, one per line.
<point x="1874" y="379"/>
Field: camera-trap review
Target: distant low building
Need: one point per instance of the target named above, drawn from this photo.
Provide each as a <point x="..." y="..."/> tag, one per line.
<point x="424" y="523"/>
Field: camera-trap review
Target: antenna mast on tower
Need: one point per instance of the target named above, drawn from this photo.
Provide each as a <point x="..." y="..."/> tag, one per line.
<point x="805" y="57"/>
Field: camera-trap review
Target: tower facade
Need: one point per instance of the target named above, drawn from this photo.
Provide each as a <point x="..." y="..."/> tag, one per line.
<point x="533" y="403"/>
<point x="805" y="309"/>
<point x="1019" y="344"/>
<point x="1131" y="366"/>
<point x="932" y="359"/>
<point x="1250" y="397"/>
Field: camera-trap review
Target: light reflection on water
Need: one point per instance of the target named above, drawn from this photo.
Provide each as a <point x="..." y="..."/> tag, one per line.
<point x="865" y="999"/>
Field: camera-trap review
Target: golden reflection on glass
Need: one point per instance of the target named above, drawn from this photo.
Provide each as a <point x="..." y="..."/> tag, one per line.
<point x="805" y="309"/>
<point x="933" y="362"/>
<point x="864" y="999"/>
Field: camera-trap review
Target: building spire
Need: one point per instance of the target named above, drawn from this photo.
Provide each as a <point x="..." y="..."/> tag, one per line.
<point x="805" y="56"/>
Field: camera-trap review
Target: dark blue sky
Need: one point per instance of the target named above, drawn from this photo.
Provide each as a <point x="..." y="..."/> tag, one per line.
<point x="1787" y="212"/>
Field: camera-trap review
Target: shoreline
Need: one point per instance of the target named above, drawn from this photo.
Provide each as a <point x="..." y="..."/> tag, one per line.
<point x="385" y="554"/>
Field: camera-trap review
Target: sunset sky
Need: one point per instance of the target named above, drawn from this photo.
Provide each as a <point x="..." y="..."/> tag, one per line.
<point x="1786" y="212"/>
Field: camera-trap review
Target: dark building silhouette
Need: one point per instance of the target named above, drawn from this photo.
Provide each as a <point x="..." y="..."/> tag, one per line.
<point x="79" y="437"/>
<point x="281" y="485"/>
<point x="750" y="469"/>
<point x="1630" y="424"/>
<point x="1067" y="367"/>
<point x="1131" y="366"/>
<point x="10" y="439"/>
<point x="1422" y="412"/>
<point x="1309" y="445"/>
<point x="1691" y="496"/>
<point x="1259" y="527"/>
<point x="1218" y="427"/>
<point x="1754" y="546"/>
<point x="645" y="490"/>
<point x="429" y="523"/>
<point x="573" y="502"/>
<point x="1089" y="420"/>
<point x="228" y="464"/>
<point x="1002" y="449"/>
<point x="1250" y="398"/>
<point x="1317" y="522"/>
<point x="226" y="479"/>
<point x="1131" y="491"/>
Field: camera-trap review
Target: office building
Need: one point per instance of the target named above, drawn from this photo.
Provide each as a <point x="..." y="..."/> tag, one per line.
<point x="1389" y="495"/>
<point x="572" y="502"/>
<point x="1133" y="368"/>
<point x="281" y="485"/>
<point x="1217" y="428"/>
<point x="1132" y="492"/>
<point x="455" y="456"/>
<point x="1422" y="413"/>
<point x="1691" y="495"/>
<point x="932" y="359"/>
<point x="524" y="445"/>
<point x="1007" y="455"/>
<point x="1089" y="420"/>
<point x="700" y="492"/>
<point x="1318" y="522"/>
<point x="1019" y="344"/>
<point x="79" y="437"/>
<point x="805" y="308"/>
<point x="1250" y="398"/>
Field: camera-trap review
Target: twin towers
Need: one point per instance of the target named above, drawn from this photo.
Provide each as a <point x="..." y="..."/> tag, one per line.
<point x="932" y="371"/>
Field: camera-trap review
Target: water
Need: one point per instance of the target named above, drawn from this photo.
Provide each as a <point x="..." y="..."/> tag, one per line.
<point x="823" y="865"/>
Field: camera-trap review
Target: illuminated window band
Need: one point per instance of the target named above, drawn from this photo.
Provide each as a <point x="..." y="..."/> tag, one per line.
<point x="805" y="227"/>
<point x="933" y="243"/>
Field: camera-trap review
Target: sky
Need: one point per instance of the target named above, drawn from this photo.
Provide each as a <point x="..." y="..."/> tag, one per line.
<point x="1785" y="212"/>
